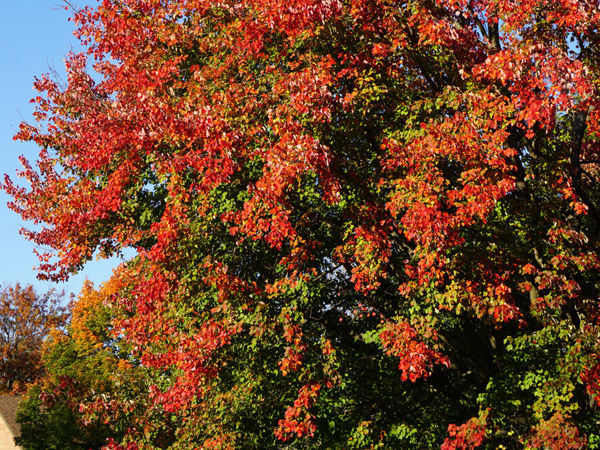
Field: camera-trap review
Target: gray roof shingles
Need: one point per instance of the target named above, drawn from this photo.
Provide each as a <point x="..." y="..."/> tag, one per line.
<point x="8" y="410"/>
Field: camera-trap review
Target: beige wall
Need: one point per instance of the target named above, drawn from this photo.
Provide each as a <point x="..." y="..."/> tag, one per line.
<point x="6" y="438"/>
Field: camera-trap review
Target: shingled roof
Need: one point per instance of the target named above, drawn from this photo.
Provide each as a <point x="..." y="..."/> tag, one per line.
<point x="8" y="411"/>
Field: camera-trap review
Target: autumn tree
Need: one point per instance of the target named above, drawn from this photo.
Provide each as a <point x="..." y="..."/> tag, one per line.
<point x="358" y="223"/>
<point x="92" y="389"/>
<point x="26" y="319"/>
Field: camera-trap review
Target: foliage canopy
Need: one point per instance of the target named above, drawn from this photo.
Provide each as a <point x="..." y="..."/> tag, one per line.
<point x="357" y="222"/>
<point x="26" y="320"/>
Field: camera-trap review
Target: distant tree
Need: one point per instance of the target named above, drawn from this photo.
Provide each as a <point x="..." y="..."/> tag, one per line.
<point x="92" y="389"/>
<point x="26" y="319"/>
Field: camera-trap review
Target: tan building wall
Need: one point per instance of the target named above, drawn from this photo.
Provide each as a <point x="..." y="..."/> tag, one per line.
<point x="6" y="437"/>
<point x="8" y="425"/>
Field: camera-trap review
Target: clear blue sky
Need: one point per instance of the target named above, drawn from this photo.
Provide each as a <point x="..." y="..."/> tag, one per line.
<point x="35" y="36"/>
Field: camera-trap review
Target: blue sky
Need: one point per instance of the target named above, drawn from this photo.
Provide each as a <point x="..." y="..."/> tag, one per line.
<point x="35" y="36"/>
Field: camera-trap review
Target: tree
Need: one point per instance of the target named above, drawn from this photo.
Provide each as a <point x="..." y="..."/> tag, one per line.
<point x="358" y="223"/>
<point x="26" y="319"/>
<point x="92" y="390"/>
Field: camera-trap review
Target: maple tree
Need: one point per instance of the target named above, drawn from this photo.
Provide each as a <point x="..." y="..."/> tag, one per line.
<point x="358" y="223"/>
<point x="26" y="319"/>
